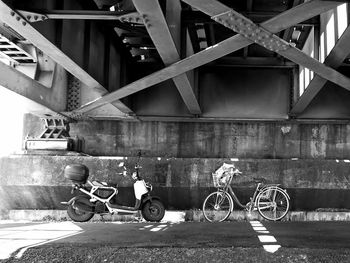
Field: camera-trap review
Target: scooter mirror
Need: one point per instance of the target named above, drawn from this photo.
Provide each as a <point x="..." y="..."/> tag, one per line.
<point x="121" y="164"/>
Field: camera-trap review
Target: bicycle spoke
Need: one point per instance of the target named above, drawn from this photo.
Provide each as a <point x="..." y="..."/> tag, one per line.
<point x="217" y="207"/>
<point x="273" y="204"/>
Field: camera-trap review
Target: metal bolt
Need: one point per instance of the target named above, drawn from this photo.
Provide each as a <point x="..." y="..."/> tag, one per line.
<point x="43" y="17"/>
<point x="36" y="17"/>
<point x="18" y="18"/>
<point x="29" y="17"/>
<point x="24" y="23"/>
<point x="12" y="13"/>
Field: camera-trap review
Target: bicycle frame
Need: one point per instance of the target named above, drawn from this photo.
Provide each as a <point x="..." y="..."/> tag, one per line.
<point x="270" y="200"/>
<point x="252" y="204"/>
<point x="105" y="201"/>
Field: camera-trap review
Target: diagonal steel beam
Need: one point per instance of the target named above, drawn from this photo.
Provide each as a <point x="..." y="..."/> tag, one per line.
<point x="339" y="53"/>
<point x="41" y="15"/>
<point x="278" y="23"/>
<point x="258" y="34"/>
<point x="158" y="30"/>
<point x="37" y="97"/>
<point x="20" y="25"/>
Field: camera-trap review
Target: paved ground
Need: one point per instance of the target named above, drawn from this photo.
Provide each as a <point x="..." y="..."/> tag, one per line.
<point x="252" y="241"/>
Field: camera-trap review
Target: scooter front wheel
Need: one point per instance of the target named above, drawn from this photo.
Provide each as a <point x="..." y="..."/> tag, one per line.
<point x="79" y="215"/>
<point x="153" y="211"/>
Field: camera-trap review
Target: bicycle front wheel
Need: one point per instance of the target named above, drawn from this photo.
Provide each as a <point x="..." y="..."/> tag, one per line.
<point x="217" y="206"/>
<point x="273" y="203"/>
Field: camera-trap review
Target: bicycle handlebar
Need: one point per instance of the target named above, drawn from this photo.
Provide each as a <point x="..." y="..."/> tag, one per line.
<point x="237" y="171"/>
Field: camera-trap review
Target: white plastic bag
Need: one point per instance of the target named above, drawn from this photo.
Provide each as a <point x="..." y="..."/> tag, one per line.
<point x="219" y="176"/>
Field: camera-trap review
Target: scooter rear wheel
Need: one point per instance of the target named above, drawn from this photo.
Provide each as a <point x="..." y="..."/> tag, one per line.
<point x="153" y="211"/>
<point x="79" y="215"/>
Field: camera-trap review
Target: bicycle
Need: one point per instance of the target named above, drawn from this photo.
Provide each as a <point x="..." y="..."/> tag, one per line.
<point x="270" y="200"/>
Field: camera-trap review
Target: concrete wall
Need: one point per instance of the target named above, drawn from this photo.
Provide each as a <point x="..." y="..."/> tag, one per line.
<point x="261" y="140"/>
<point x="310" y="160"/>
<point x="182" y="183"/>
<point x="223" y="92"/>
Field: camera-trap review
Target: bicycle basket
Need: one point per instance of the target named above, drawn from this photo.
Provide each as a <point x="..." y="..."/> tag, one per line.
<point x="222" y="174"/>
<point x="218" y="181"/>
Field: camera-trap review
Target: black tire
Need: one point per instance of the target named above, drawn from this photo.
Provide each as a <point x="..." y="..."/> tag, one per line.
<point x="217" y="206"/>
<point x="273" y="203"/>
<point x="78" y="215"/>
<point x="153" y="211"/>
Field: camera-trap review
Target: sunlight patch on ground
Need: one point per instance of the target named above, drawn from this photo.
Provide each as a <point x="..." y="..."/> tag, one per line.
<point x="24" y="237"/>
<point x="174" y="216"/>
<point x="159" y="227"/>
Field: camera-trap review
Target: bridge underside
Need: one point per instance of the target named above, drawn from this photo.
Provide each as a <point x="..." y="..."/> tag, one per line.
<point x="192" y="83"/>
<point x="178" y="60"/>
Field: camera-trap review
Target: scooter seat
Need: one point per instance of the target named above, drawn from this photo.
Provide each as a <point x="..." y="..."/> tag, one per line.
<point x="98" y="183"/>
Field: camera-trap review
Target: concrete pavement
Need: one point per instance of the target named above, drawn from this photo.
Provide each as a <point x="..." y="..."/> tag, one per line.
<point x="195" y="215"/>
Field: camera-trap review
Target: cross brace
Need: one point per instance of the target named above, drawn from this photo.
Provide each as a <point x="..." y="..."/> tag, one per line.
<point x="274" y="25"/>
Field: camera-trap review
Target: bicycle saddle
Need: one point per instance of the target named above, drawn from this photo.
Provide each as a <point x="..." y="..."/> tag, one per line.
<point x="259" y="180"/>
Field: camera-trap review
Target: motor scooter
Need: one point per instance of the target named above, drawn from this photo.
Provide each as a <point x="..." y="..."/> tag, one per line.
<point x="82" y="208"/>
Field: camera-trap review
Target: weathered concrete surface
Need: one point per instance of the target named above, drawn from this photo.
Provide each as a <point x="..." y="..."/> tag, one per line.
<point x="259" y="140"/>
<point x="176" y="172"/>
<point x="310" y="159"/>
<point x="216" y="140"/>
<point x="182" y="183"/>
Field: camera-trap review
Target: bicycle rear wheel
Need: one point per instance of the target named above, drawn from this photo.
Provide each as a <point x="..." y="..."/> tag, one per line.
<point x="273" y="203"/>
<point x="217" y="206"/>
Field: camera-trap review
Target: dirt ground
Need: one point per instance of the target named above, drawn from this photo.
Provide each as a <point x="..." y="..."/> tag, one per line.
<point x="114" y="254"/>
